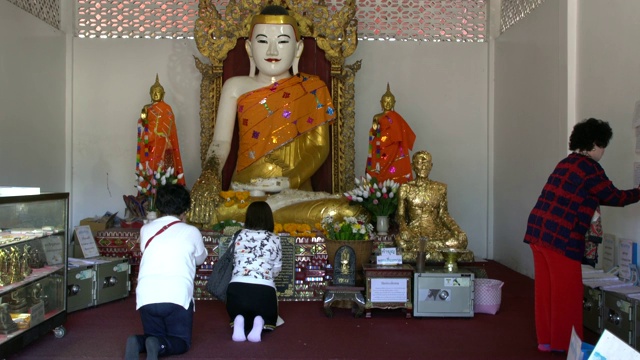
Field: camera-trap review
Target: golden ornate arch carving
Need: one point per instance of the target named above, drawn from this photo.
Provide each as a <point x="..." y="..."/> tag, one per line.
<point x="335" y="33"/>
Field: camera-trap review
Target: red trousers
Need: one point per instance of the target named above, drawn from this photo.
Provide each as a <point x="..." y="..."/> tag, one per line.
<point x="558" y="297"/>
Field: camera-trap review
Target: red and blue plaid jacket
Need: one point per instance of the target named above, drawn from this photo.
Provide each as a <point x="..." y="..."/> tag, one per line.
<point x="561" y="217"/>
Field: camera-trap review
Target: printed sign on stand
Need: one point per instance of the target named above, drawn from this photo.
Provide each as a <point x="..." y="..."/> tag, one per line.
<point x="87" y="243"/>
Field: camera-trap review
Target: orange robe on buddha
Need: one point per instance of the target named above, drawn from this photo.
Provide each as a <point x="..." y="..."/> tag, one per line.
<point x="274" y="116"/>
<point x="158" y="140"/>
<point x="389" y="145"/>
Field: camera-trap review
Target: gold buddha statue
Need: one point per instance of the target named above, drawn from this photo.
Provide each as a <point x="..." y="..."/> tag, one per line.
<point x="4" y="267"/>
<point x="7" y="325"/>
<point x="283" y="123"/>
<point x="423" y="213"/>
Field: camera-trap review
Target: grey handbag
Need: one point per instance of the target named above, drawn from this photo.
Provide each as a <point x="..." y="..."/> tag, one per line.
<point x="221" y="272"/>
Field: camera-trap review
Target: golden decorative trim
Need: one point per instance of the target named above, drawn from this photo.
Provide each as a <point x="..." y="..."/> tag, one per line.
<point x="335" y="33"/>
<point x="276" y="19"/>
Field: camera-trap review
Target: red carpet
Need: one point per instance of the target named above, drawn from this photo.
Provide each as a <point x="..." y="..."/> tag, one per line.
<point x="101" y="332"/>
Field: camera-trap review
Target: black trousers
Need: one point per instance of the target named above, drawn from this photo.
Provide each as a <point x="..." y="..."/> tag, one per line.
<point x="251" y="300"/>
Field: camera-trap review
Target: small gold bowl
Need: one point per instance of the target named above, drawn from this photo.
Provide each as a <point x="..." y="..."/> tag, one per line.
<point x="451" y="257"/>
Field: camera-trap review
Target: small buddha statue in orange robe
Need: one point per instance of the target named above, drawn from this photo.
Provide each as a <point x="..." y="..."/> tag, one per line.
<point x="158" y="135"/>
<point x="390" y="140"/>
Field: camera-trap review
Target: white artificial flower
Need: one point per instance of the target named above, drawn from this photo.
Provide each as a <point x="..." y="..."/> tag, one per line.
<point x="180" y="176"/>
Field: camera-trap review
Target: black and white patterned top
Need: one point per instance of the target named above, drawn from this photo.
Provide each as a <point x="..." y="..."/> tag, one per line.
<point x="257" y="257"/>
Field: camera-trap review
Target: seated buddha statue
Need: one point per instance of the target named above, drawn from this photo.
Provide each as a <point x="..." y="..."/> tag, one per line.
<point x="283" y="125"/>
<point x="423" y="213"/>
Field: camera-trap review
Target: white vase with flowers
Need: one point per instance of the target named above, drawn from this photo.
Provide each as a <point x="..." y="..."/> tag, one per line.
<point x="380" y="199"/>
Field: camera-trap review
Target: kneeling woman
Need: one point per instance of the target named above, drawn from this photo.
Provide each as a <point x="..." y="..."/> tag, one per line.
<point x="252" y="302"/>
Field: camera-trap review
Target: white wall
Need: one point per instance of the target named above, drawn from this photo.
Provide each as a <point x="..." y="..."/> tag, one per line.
<point x="608" y="88"/>
<point x="530" y="124"/>
<point x="534" y="114"/>
<point x="440" y="89"/>
<point x="32" y="101"/>
<point x="111" y="83"/>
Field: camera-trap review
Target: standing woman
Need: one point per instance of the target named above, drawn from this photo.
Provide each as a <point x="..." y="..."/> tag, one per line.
<point x="171" y="250"/>
<point x="557" y="227"/>
<point x="252" y="301"/>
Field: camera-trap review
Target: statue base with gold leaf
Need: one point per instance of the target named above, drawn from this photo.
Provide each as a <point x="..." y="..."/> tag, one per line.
<point x="211" y="205"/>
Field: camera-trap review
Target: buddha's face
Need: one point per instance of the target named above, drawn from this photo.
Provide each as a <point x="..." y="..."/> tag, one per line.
<point x="273" y="48"/>
<point x="387" y="103"/>
<point x="157" y="94"/>
<point x="422" y="165"/>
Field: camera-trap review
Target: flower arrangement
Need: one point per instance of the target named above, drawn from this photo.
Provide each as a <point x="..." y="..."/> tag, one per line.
<point x="293" y="229"/>
<point x="228" y="227"/>
<point x="350" y="228"/>
<point x="238" y="198"/>
<point x="148" y="181"/>
<point x="380" y="199"/>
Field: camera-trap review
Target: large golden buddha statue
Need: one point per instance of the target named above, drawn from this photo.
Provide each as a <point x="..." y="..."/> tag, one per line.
<point x="283" y="125"/>
<point x="423" y="213"/>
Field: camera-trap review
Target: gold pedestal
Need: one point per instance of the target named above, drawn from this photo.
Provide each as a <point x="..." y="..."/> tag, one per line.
<point x="451" y="257"/>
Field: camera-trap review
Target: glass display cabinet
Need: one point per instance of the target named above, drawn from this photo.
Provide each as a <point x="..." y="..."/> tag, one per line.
<point x="33" y="268"/>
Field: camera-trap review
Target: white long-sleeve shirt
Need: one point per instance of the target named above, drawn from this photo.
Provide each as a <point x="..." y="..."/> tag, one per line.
<point x="168" y="266"/>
